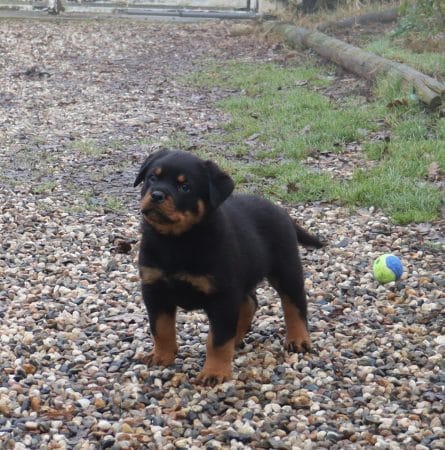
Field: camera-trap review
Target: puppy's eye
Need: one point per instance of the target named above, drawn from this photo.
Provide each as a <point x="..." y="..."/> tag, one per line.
<point x="184" y="187"/>
<point x="152" y="178"/>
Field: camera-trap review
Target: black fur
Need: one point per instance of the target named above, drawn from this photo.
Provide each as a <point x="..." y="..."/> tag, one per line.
<point x="238" y="241"/>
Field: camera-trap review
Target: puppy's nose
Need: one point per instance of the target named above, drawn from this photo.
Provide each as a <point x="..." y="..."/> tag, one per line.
<point x="157" y="196"/>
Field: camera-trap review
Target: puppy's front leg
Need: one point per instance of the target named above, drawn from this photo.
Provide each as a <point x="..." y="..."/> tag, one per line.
<point x="163" y="330"/>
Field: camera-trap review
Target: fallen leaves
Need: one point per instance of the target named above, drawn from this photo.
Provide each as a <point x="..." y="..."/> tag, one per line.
<point x="434" y="172"/>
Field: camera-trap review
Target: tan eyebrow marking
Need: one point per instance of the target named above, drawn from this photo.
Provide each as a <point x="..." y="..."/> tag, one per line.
<point x="181" y="178"/>
<point x="158" y="171"/>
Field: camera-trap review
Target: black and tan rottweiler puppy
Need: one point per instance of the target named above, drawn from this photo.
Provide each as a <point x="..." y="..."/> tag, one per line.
<point x="204" y="248"/>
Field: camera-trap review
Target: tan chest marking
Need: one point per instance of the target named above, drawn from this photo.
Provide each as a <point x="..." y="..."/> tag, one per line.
<point x="202" y="283"/>
<point x="150" y="275"/>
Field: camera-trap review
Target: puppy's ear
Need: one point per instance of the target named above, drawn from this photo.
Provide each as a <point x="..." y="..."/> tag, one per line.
<point x="146" y="165"/>
<point x="220" y="184"/>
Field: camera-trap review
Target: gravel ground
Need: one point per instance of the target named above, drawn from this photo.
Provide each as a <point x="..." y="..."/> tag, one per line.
<point x="78" y="102"/>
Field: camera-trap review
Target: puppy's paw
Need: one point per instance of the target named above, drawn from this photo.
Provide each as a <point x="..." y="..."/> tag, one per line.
<point x="158" y="358"/>
<point x="300" y="345"/>
<point x="209" y="377"/>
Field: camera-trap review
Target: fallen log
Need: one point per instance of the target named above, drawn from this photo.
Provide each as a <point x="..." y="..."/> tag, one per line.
<point x="365" y="64"/>
<point x="386" y="16"/>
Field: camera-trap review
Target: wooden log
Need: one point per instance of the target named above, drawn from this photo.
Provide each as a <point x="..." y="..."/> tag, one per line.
<point x="365" y="64"/>
<point x="386" y="16"/>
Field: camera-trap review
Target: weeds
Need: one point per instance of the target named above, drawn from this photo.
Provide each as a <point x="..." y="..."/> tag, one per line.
<point x="88" y="200"/>
<point x="430" y="63"/>
<point x="45" y="187"/>
<point x="88" y="147"/>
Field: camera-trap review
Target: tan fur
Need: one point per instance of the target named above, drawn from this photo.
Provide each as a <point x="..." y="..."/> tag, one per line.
<point x="203" y="283"/>
<point x="180" y="221"/>
<point x="149" y="275"/>
<point x="218" y="364"/>
<point x="247" y="311"/>
<point x="164" y="336"/>
<point x="297" y="336"/>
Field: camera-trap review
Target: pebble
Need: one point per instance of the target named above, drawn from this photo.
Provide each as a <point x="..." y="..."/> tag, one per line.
<point x="84" y="403"/>
<point x="103" y="425"/>
<point x="31" y="426"/>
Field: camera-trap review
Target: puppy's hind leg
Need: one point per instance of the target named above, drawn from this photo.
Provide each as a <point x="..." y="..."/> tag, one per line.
<point x="289" y="283"/>
<point x="247" y="311"/>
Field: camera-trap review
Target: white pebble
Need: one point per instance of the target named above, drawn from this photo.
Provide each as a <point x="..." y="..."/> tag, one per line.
<point x="84" y="403"/>
<point x="103" y="425"/>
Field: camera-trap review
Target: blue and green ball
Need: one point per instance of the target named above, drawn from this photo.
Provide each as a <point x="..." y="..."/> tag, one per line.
<point x="387" y="268"/>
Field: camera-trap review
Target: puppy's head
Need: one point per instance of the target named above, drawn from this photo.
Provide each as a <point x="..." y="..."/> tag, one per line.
<point x="179" y="190"/>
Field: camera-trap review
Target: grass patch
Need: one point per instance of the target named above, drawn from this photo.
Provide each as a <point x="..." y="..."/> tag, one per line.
<point x="428" y="62"/>
<point x="89" y="147"/>
<point x="421" y="24"/>
<point x="45" y="187"/>
<point x="405" y="200"/>
<point x="294" y="121"/>
<point x="113" y="204"/>
<point x="258" y="79"/>
<point x="279" y="116"/>
<point x="90" y="200"/>
<point x="178" y="140"/>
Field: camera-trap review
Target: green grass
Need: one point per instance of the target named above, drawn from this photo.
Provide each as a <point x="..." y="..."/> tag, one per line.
<point x="427" y="62"/>
<point x="178" y="140"/>
<point x="294" y="121"/>
<point x="91" y="201"/>
<point x="255" y="80"/>
<point x="89" y="147"/>
<point x="45" y="187"/>
<point x="279" y="116"/>
<point x="405" y="200"/>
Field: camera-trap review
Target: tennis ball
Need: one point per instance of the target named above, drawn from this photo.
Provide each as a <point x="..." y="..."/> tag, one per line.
<point x="387" y="268"/>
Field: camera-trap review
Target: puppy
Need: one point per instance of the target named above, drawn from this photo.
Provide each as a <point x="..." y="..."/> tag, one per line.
<point x="204" y="248"/>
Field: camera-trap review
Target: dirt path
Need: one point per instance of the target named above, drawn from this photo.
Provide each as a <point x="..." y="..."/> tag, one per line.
<point x="102" y="89"/>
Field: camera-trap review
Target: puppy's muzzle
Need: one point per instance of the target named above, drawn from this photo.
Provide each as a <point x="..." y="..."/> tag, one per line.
<point x="152" y="200"/>
<point x="155" y="207"/>
<point x="158" y="197"/>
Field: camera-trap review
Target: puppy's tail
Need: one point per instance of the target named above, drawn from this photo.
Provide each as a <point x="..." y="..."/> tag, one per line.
<point x="307" y="239"/>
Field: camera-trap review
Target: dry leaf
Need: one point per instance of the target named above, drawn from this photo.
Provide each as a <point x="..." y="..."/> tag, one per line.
<point x="397" y="102"/>
<point x="433" y="171"/>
